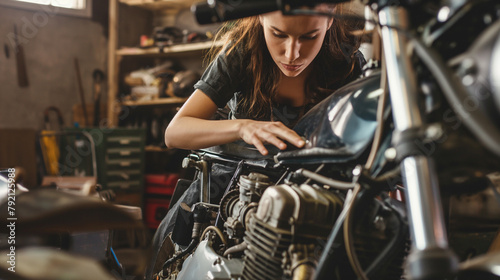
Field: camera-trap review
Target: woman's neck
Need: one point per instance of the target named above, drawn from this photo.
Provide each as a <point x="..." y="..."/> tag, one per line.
<point x="291" y="90"/>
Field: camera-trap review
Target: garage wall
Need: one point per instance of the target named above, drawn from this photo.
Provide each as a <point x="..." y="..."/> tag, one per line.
<point x="51" y="43"/>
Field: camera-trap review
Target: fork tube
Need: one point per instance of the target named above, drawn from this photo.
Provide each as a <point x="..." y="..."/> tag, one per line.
<point x="430" y="257"/>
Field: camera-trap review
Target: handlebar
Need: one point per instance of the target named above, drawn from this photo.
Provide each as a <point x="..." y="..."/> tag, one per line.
<point x="224" y="10"/>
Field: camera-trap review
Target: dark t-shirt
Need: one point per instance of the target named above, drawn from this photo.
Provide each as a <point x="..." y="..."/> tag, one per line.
<point x="225" y="81"/>
<point x="224" y="77"/>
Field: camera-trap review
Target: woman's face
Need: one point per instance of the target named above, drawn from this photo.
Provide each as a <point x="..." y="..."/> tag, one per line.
<point x="294" y="41"/>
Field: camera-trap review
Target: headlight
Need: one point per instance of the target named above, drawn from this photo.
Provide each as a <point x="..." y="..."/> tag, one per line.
<point x="479" y="72"/>
<point x="495" y="67"/>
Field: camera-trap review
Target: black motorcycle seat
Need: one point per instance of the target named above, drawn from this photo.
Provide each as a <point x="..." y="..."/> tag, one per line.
<point x="241" y="150"/>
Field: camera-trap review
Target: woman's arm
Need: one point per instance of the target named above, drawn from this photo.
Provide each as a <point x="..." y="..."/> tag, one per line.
<point x="191" y="128"/>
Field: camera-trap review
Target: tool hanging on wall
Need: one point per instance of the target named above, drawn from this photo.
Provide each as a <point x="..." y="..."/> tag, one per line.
<point x="49" y="141"/>
<point x="80" y="90"/>
<point x="22" y="75"/>
<point x="6" y="51"/>
<point x="98" y="77"/>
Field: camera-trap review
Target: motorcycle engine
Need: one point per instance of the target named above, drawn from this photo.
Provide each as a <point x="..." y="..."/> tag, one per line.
<point x="285" y="227"/>
<point x="280" y="231"/>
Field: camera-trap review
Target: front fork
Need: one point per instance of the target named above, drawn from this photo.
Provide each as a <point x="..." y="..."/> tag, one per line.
<point x="430" y="257"/>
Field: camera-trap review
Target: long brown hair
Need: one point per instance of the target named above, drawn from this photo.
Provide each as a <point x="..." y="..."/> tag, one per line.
<point x="333" y="64"/>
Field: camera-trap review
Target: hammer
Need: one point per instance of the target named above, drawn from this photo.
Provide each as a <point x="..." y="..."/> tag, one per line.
<point x="98" y="77"/>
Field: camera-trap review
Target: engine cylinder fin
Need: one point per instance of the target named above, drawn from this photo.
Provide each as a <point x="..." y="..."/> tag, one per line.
<point x="274" y="247"/>
<point x="262" y="254"/>
<point x="255" y="274"/>
<point x="262" y="249"/>
<point x="266" y="268"/>
<point x="265" y="252"/>
<point x="270" y="231"/>
<point x="271" y="252"/>
<point x="263" y="263"/>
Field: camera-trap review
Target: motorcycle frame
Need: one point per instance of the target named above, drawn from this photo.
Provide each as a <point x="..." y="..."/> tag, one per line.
<point x="430" y="256"/>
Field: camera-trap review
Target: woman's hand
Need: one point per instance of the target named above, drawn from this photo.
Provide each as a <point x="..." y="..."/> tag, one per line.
<point x="258" y="133"/>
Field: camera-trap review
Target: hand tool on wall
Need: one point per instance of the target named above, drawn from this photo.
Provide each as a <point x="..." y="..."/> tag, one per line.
<point x="6" y="51"/>
<point x="80" y="89"/>
<point x="22" y="75"/>
<point x="98" y="77"/>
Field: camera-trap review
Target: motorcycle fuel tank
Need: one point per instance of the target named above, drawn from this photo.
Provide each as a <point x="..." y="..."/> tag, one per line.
<point x="339" y="128"/>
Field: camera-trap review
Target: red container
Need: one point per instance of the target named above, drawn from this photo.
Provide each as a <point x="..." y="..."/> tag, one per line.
<point x="159" y="190"/>
<point x="156" y="209"/>
<point x="162" y="184"/>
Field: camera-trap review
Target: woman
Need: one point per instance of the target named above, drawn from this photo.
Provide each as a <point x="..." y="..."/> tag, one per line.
<point x="271" y="70"/>
<point x="268" y="62"/>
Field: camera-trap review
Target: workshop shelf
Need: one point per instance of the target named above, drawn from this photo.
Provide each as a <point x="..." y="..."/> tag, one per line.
<point x="159" y="101"/>
<point x="180" y="49"/>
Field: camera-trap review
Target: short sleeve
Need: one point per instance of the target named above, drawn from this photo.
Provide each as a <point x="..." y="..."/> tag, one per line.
<point x="222" y="78"/>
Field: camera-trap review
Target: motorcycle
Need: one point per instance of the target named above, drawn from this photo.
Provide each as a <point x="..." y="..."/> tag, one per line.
<point x="400" y="174"/>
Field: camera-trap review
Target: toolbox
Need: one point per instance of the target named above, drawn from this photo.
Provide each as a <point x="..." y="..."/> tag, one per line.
<point x="119" y="158"/>
<point x="159" y="190"/>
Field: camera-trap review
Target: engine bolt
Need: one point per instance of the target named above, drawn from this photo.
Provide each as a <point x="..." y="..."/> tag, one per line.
<point x="390" y="154"/>
<point x="379" y="223"/>
<point x="434" y="132"/>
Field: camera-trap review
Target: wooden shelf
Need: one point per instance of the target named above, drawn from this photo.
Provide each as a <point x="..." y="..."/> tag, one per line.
<point x="160" y="4"/>
<point x="169" y="50"/>
<point x="118" y="57"/>
<point x="156" y="149"/>
<point x="160" y="101"/>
